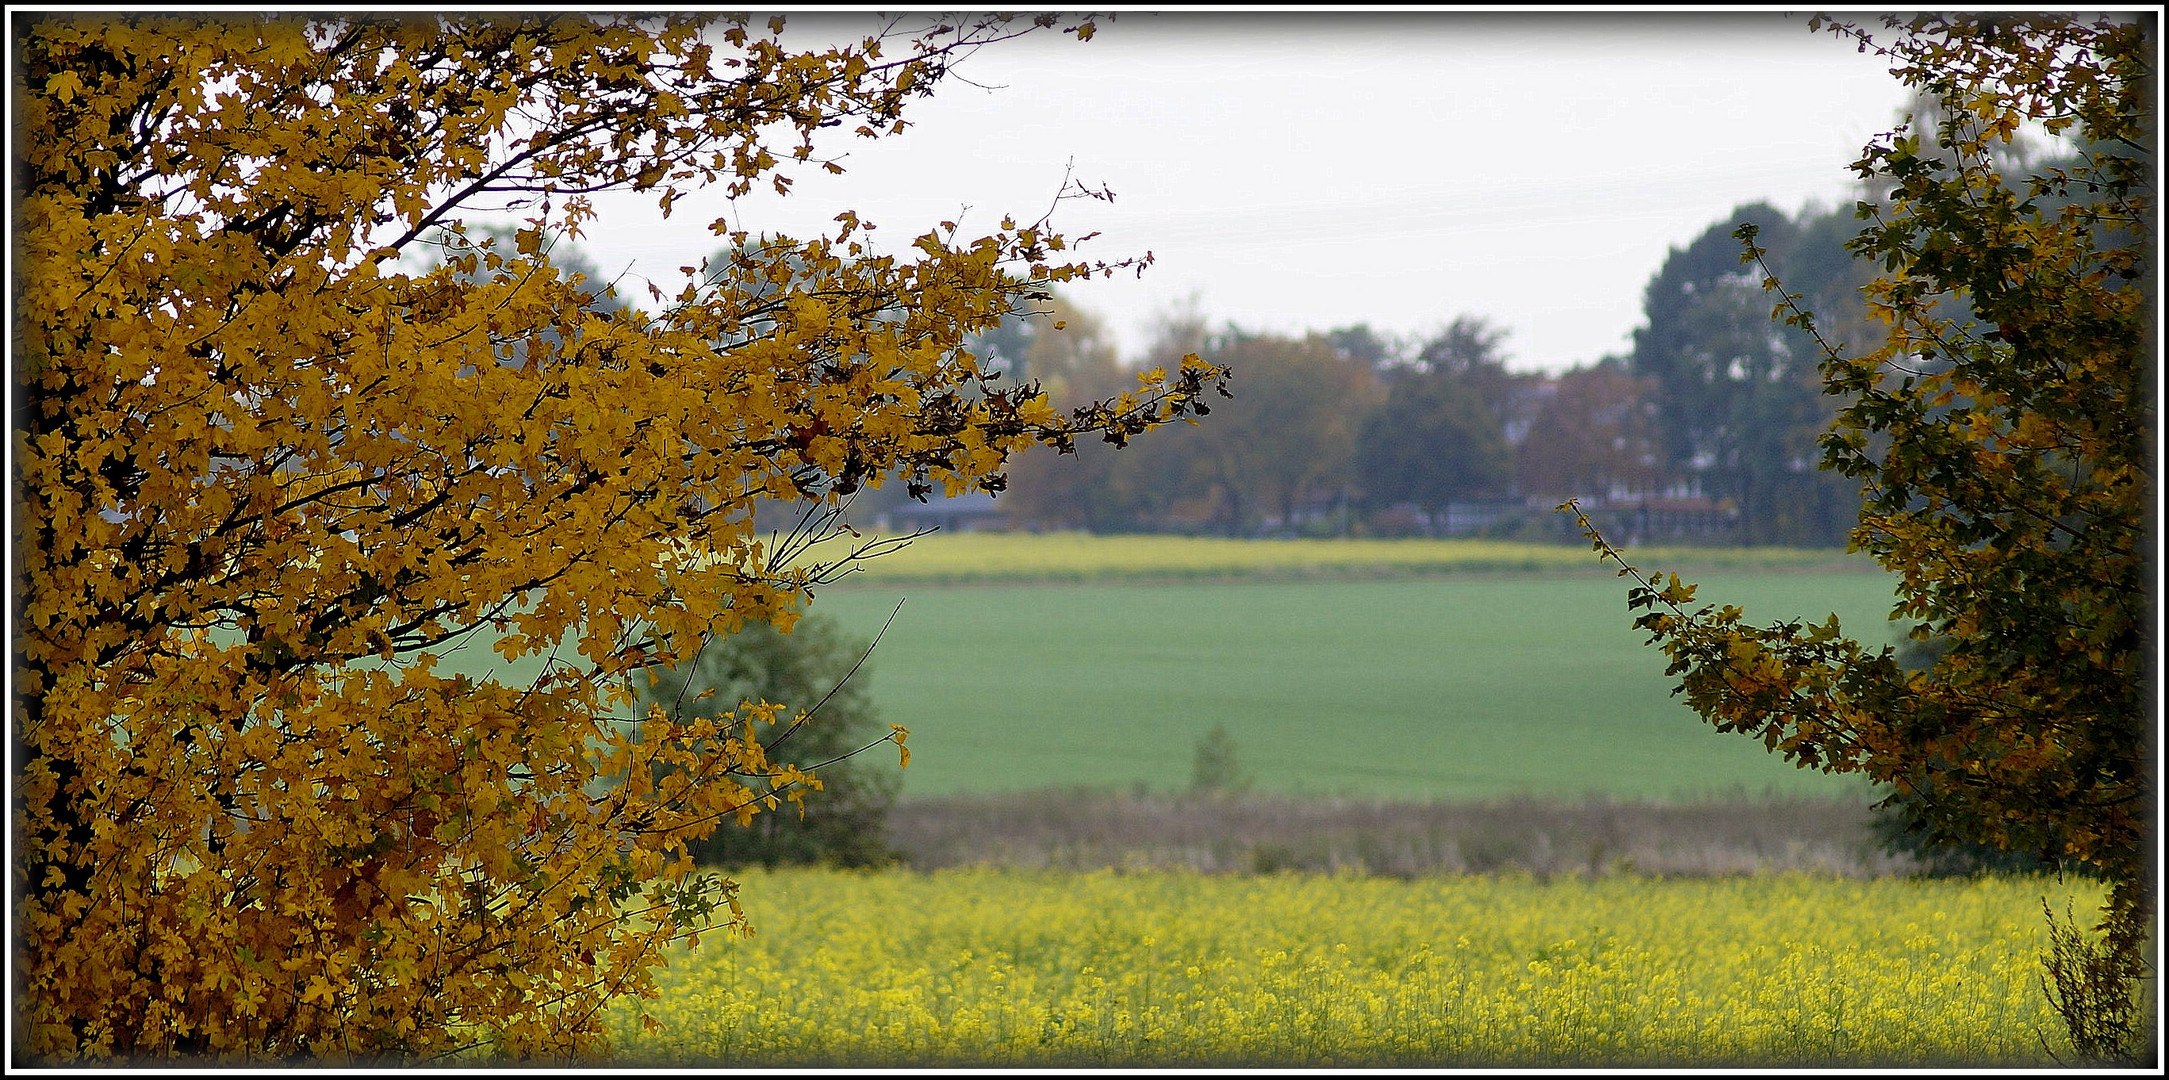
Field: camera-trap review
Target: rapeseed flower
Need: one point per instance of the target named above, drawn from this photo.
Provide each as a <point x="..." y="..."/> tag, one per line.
<point x="993" y="967"/>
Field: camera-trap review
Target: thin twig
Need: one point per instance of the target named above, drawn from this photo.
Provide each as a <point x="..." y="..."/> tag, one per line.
<point x="833" y="690"/>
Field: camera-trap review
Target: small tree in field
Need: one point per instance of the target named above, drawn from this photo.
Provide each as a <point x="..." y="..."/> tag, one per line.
<point x="1216" y="765"/>
<point x="267" y="480"/>
<point x="2001" y="433"/>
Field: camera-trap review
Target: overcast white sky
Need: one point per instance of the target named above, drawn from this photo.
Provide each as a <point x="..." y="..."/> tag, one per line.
<point x="1297" y="171"/>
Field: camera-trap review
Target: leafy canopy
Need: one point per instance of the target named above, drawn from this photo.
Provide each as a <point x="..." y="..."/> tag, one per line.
<point x="267" y="479"/>
<point x="2000" y="434"/>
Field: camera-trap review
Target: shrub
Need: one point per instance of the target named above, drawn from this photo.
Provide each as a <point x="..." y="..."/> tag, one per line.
<point x="2099" y="1006"/>
<point x="845" y="823"/>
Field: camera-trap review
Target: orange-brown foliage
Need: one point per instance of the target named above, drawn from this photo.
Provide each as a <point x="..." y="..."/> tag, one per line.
<point x="266" y="475"/>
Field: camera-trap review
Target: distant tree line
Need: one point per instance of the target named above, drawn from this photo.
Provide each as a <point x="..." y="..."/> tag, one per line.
<point x="1705" y="429"/>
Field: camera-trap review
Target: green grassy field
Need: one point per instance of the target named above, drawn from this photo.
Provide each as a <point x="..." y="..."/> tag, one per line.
<point x="1396" y="669"/>
<point x="1416" y="686"/>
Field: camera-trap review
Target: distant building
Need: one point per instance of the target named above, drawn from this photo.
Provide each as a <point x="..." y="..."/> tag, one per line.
<point x="973" y="511"/>
<point x="1471" y="517"/>
<point x="1675" y="515"/>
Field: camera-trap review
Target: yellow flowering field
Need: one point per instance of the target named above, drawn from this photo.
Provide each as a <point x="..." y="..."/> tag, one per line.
<point x="1073" y="556"/>
<point x="1005" y="967"/>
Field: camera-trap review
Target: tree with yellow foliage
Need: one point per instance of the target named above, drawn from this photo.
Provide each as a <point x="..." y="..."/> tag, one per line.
<point x="266" y="479"/>
<point x="2001" y="432"/>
